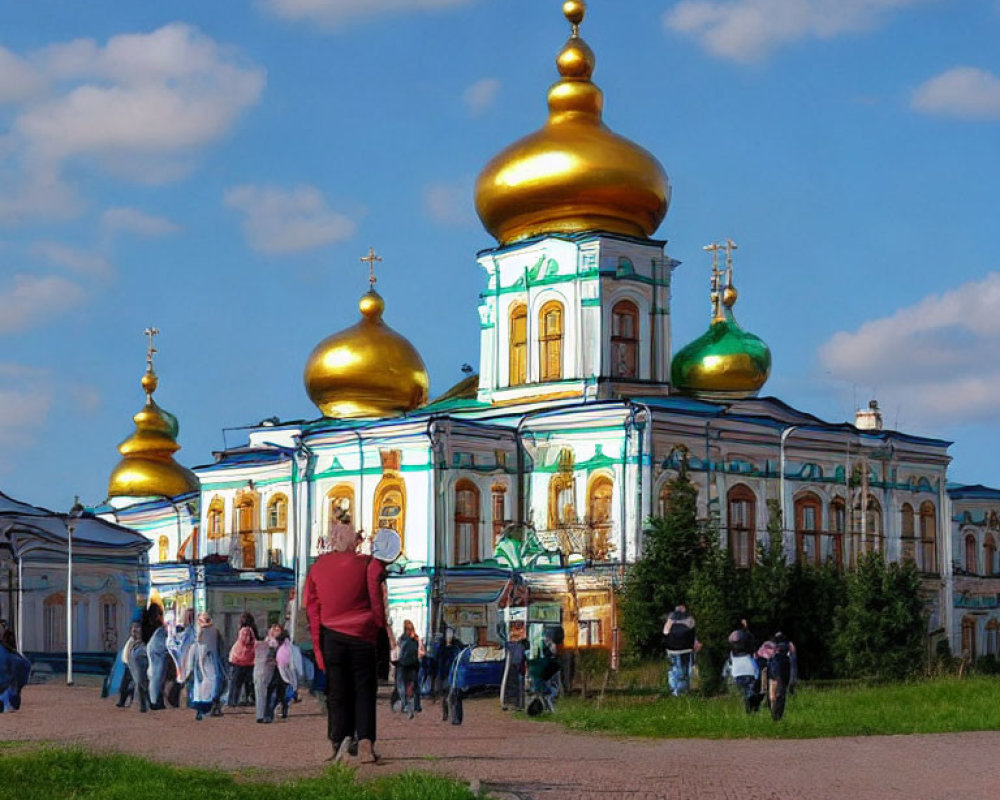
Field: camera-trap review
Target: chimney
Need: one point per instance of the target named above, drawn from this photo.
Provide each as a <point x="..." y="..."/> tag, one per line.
<point x="868" y="419"/>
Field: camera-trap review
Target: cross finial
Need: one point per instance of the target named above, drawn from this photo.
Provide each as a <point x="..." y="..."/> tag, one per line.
<point x="370" y="259"/>
<point x="150" y="333"/>
<point x="716" y="293"/>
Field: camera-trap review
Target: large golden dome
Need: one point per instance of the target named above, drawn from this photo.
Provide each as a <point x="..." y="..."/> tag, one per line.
<point x="573" y="174"/>
<point x="147" y="468"/>
<point x="368" y="370"/>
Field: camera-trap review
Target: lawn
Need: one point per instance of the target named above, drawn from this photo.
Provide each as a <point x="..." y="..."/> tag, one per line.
<point x="942" y="705"/>
<point x="51" y="773"/>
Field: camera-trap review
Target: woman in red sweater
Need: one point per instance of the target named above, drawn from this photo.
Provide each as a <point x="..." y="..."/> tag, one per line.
<point x="344" y="603"/>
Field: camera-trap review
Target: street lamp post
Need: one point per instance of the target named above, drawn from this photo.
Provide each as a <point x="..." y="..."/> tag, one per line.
<point x="781" y="477"/>
<point x="74" y="514"/>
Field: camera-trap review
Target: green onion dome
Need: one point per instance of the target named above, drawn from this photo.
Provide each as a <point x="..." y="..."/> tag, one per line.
<point x="724" y="363"/>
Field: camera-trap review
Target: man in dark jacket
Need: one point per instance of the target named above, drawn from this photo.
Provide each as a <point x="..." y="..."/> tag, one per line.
<point x="679" y="638"/>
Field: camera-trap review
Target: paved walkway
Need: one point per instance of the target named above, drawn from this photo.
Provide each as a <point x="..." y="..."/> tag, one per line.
<point x="514" y="758"/>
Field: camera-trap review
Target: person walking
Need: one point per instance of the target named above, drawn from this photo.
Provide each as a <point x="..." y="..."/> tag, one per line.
<point x="411" y="650"/>
<point x="679" y="638"/>
<point x="343" y="596"/>
<point x="241" y="661"/>
<point x="743" y="666"/>
<point x="207" y="668"/>
<point x="134" y="656"/>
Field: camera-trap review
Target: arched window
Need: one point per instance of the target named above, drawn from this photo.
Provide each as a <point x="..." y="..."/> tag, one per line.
<point x="245" y="510"/>
<point x="277" y="514"/>
<point x="624" y="340"/>
<point x="550" y="341"/>
<point x="54" y="622"/>
<point x="163" y="549"/>
<point x="992" y="630"/>
<point x="989" y="556"/>
<point x="742" y="505"/>
<point x="466" y="522"/>
<point x="599" y="497"/>
<point x="907" y="533"/>
<point x="838" y="527"/>
<point x="277" y="523"/>
<point x="518" y="344"/>
<point x="339" y="504"/>
<point x="870" y="518"/>
<point x="562" y="500"/>
<point x="969" y="638"/>
<point x="663" y="499"/>
<point x="928" y="537"/>
<point x="390" y="506"/>
<point x="808" y="513"/>
<point x="498" y="504"/>
<point x="971" y="566"/>
<point x="215" y="518"/>
<point x="109" y="623"/>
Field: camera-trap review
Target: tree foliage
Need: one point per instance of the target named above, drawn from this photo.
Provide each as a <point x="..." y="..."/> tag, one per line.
<point x="866" y="623"/>
<point x="880" y="628"/>
<point x="659" y="580"/>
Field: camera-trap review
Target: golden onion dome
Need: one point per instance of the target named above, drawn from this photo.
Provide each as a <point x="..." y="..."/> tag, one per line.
<point x="367" y="370"/>
<point x="726" y="362"/>
<point x="573" y="174"/>
<point x="147" y="468"/>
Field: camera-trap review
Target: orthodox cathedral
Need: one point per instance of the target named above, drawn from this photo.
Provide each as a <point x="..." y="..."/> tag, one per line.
<point x="522" y="493"/>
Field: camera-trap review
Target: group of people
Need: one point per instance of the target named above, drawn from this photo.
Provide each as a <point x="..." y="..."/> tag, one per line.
<point x="748" y="661"/>
<point x="162" y="665"/>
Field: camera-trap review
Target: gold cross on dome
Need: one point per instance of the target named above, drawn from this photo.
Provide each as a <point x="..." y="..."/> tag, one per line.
<point x="150" y="332"/>
<point x="370" y="259"/>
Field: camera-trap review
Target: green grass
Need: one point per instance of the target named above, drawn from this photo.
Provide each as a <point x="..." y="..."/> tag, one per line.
<point x="52" y="773"/>
<point x="942" y="705"/>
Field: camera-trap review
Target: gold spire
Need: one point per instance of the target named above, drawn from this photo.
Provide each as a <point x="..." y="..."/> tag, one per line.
<point x="574" y="174"/>
<point x="367" y="370"/>
<point x="147" y="468"/>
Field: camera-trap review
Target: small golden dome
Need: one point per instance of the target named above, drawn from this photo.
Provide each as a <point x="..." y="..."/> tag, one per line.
<point x="573" y="174"/>
<point x="367" y="370"/>
<point x="147" y="468"/>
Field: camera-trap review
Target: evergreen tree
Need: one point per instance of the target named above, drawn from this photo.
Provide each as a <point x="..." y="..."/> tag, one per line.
<point x="716" y="598"/>
<point x="880" y="629"/>
<point x="659" y="579"/>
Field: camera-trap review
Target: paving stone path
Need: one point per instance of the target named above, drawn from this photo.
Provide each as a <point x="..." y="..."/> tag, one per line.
<point x="516" y="758"/>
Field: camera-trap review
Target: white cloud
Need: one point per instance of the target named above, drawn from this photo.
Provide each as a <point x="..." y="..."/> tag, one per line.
<point x="450" y="202"/>
<point x="132" y="220"/>
<point x="29" y="300"/>
<point x="18" y="79"/>
<point x="140" y="107"/>
<point x="279" y="221"/>
<point x="79" y="261"/>
<point x="337" y="13"/>
<point x="749" y="30"/>
<point x="963" y="92"/>
<point x="480" y="97"/>
<point x="25" y="401"/>
<point x="935" y="359"/>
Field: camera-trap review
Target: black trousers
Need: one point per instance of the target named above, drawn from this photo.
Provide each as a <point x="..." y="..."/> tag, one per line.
<point x="350" y="685"/>
<point x="239" y="678"/>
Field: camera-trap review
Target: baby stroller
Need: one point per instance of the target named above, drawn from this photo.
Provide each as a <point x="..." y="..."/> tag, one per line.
<point x="544" y="683"/>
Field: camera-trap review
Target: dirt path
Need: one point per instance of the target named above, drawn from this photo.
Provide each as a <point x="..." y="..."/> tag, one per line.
<point x="520" y="759"/>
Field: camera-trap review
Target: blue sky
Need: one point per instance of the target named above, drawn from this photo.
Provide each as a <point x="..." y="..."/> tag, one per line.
<point x="216" y="169"/>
